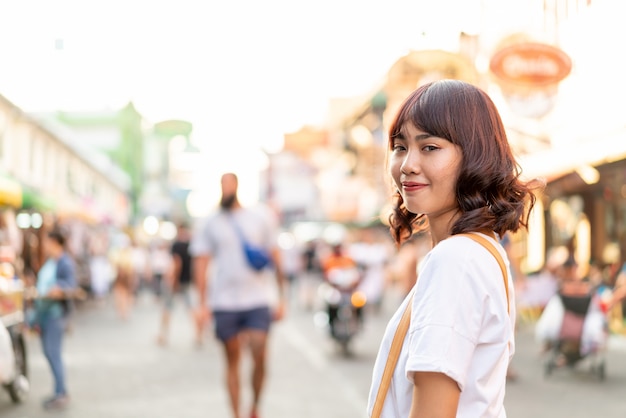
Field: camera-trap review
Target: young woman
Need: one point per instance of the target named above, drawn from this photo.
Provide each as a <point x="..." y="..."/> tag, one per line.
<point x="455" y="173"/>
<point x="54" y="280"/>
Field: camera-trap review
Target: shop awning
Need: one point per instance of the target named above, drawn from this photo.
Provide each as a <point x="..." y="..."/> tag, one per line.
<point x="555" y="163"/>
<point x="10" y="192"/>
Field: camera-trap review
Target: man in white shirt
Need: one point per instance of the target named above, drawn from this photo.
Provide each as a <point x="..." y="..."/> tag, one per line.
<point x="238" y="297"/>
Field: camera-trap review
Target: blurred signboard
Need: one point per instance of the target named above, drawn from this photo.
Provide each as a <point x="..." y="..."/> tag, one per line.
<point x="529" y="74"/>
<point x="531" y="64"/>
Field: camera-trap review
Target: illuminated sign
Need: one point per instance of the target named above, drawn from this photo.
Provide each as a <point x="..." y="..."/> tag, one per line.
<point x="531" y="64"/>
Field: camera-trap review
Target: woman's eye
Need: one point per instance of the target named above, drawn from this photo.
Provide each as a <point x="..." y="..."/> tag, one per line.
<point x="397" y="147"/>
<point x="429" y="148"/>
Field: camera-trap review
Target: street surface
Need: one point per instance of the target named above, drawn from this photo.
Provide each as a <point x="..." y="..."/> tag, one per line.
<point x="116" y="370"/>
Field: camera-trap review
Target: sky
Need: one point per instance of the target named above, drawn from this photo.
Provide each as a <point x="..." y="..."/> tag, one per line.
<point x="243" y="72"/>
<point x="248" y="69"/>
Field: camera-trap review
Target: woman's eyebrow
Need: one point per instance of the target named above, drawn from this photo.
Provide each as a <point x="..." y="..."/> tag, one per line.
<point x="422" y="137"/>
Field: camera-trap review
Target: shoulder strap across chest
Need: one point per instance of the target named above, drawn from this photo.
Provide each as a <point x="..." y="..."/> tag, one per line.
<point x="405" y="320"/>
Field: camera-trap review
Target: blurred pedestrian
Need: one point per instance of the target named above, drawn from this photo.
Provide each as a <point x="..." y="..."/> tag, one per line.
<point x="100" y="268"/>
<point x="161" y="264"/>
<point x="125" y="279"/>
<point x="407" y="260"/>
<point x="55" y="281"/>
<point x="311" y="276"/>
<point x="178" y="282"/>
<point x="372" y="256"/>
<point x="291" y="257"/>
<point x="238" y="297"/>
<point x="455" y="173"/>
<point x="618" y="299"/>
<point x="140" y="264"/>
<point x="575" y="294"/>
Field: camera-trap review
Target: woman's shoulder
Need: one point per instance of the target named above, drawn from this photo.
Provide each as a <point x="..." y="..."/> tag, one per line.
<point x="461" y="249"/>
<point x="454" y="246"/>
<point x="448" y="258"/>
<point x="464" y="242"/>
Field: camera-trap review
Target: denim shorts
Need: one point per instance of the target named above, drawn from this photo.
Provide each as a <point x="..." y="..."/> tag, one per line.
<point x="230" y="323"/>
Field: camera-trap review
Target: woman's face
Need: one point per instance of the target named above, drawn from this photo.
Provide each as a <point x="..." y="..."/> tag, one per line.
<point x="425" y="170"/>
<point x="51" y="247"/>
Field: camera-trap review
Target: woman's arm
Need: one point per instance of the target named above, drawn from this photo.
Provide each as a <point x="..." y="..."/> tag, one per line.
<point x="66" y="273"/>
<point x="65" y="280"/>
<point x="435" y="395"/>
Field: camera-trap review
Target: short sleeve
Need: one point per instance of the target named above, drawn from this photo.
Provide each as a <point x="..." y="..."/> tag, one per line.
<point x="447" y="313"/>
<point x="65" y="275"/>
<point x="200" y="243"/>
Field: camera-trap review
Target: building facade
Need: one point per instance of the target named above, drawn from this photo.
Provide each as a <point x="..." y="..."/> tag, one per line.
<point x="537" y="67"/>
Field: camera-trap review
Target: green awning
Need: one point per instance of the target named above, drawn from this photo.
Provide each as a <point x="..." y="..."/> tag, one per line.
<point x="32" y="199"/>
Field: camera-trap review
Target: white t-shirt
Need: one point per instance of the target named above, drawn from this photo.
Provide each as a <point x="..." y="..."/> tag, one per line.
<point x="233" y="284"/>
<point x="459" y="327"/>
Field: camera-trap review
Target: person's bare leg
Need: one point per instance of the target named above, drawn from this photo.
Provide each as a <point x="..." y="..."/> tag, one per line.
<point x="233" y="354"/>
<point x="257" y="340"/>
<point x="199" y="322"/>
<point x="165" y="325"/>
<point x="122" y="301"/>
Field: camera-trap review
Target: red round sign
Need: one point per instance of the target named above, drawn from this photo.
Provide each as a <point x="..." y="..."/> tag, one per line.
<point x="531" y="64"/>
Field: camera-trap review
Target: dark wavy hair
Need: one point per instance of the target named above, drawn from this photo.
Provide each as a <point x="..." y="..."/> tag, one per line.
<point x="57" y="235"/>
<point x="489" y="192"/>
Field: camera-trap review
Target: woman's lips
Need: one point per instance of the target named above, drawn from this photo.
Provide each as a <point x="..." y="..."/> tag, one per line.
<point x="412" y="187"/>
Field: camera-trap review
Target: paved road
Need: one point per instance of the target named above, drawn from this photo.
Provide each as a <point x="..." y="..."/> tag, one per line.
<point x="117" y="371"/>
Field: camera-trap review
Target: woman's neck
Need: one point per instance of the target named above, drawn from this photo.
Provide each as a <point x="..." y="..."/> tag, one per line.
<point x="438" y="234"/>
<point x="441" y="226"/>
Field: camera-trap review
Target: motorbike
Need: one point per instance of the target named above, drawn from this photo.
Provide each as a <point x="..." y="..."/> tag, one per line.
<point x="344" y="304"/>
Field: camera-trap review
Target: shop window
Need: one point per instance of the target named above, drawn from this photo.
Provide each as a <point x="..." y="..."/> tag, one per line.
<point x="533" y="258"/>
<point x="565" y="214"/>
<point x="610" y="223"/>
<point x="571" y="229"/>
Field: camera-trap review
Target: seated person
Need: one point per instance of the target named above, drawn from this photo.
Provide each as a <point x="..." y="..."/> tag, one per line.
<point x="576" y="298"/>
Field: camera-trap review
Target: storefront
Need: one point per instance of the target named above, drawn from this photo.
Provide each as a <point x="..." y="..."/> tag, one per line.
<point x="590" y="218"/>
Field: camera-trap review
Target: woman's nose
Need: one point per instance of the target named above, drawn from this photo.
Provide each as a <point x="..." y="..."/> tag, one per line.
<point x="410" y="164"/>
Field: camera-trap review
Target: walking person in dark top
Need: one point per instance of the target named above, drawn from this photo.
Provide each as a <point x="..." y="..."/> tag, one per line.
<point x="178" y="281"/>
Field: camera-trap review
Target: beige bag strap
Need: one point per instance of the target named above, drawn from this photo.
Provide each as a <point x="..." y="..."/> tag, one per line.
<point x="489" y="246"/>
<point x="392" y="359"/>
<point x="403" y="326"/>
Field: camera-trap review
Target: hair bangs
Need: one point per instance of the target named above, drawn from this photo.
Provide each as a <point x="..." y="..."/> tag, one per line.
<point x="429" y="109"/>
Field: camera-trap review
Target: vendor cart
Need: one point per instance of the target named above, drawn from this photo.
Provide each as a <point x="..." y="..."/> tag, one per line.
<point x="13" y="354"/>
